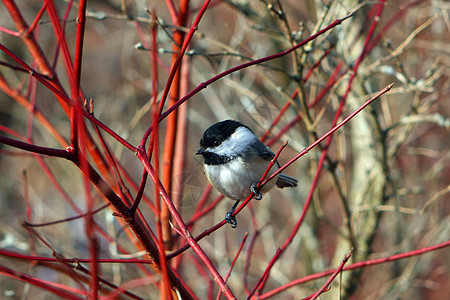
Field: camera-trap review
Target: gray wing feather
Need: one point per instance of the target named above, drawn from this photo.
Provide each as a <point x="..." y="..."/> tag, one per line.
<point x="264" y="152"/>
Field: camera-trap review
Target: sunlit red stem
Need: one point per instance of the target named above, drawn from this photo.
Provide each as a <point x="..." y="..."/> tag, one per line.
<point x="329" y="133"/>
<point x="63" y="291"/>
<point x="332" y="277"/>
<point x="220" y="224"/>
<point x="234" y="262"/>
<point x="176" y="65"/>
<point x="205" y="84"/>
<point x="357" y="265"/>
<point x="28" y="38"/>
<point x="183" y="228"/>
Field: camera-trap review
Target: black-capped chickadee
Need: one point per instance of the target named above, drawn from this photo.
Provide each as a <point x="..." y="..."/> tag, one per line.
<point x="234" y="162"/>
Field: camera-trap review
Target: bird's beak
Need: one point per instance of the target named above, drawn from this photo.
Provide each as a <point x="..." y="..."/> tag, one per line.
<point x="199" y="151"/>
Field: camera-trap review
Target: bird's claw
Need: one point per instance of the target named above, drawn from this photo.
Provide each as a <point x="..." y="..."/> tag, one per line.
<point x="230" y="219"/>
<point x="255" y="190"/>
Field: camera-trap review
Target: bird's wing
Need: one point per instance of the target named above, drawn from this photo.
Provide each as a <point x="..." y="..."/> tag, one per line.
<point x="263" y="151"/>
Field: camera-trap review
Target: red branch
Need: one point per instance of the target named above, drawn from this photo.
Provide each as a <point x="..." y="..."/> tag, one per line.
<point x="361" y="264"/>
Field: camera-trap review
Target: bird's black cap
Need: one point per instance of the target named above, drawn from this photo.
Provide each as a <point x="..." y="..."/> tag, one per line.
<point x="218" y="133"/>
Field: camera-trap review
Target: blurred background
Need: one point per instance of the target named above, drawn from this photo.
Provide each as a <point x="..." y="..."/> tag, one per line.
<point x="382" y="188"/>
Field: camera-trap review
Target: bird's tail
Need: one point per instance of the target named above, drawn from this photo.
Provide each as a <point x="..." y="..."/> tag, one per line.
<point x="284" y="180"/>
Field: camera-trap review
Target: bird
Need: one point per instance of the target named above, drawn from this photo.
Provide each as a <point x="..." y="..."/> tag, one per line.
<point x="234" y="160"/>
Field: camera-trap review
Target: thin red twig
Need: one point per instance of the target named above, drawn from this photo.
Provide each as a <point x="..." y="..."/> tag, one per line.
<point x="233" y="262"/>
<point x="306" y="150"/>
<point x="176" y="65"/>
<point x="332" y="277"/>
<point x="329" y="133"/>
<point x="66" y="100"/>
<point x="63" y="291"/>
<point x="184" y="230"/>
<point x="317" y="176"/>
<point x="361" y="264"/>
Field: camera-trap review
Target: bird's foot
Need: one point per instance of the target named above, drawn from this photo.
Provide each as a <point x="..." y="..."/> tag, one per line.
<point x="256" y="191"/>
<point x="229" y="218"/>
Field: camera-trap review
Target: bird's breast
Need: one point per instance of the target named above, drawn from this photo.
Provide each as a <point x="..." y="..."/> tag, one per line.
<point x="234" y="178"/>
